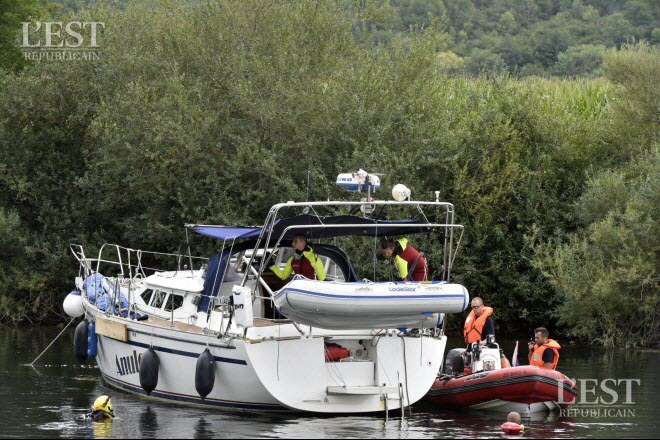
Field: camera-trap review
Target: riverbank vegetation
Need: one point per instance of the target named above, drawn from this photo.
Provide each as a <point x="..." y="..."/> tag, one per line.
<point x="212" y="112"/>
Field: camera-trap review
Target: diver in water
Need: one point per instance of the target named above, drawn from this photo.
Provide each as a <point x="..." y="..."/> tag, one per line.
<point x="101" y="410"/>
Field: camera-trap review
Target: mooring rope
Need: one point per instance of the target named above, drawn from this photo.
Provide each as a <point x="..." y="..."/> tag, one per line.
<point x="50" y="345"/>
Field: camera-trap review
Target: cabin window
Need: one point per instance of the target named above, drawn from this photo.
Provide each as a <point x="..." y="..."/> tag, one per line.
<point x="173" y="302"/>
<point x="146" y="295"/>
<point x="158" y="299"/>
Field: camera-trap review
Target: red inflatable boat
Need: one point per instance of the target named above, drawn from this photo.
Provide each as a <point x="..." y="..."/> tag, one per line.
<point x="522" y="389"/>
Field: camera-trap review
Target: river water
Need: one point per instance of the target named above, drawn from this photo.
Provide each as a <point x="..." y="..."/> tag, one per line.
<point x="50" y="400"/>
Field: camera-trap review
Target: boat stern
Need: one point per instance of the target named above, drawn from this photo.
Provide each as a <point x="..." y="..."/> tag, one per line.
<point x="386" y="372"/>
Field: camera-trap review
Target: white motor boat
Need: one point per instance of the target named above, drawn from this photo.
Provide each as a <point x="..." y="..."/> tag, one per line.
<point x="223" y="332"/>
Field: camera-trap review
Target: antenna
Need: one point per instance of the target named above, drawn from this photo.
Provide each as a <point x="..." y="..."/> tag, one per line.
<point x="309" y="173"/>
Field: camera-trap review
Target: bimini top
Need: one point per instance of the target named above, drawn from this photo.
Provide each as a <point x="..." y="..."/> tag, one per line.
<point x="313" y="226"/>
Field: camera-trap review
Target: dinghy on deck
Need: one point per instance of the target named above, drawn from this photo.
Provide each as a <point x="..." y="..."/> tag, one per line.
<point x="341" y="305"/>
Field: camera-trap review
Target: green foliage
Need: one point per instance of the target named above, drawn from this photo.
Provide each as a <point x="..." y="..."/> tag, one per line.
<point x="211" y="113"/>
<point x="529" y="38"/>
<point x="637" y="69"/>
<point x="12" y="13"/>
<point x="484" y="60"/>
<point x="23" y="270"/>
<point x="609" y="274"/>
<point x="581" y="60"/>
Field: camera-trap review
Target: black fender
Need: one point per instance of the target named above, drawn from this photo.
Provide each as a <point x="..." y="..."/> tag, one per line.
<point x="205" y="374"/>
<point x="149" y="366"/>
<point x="80" y="341"/>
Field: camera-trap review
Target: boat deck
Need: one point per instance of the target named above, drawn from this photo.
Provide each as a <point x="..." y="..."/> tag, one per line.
<point x="158" y="322"/>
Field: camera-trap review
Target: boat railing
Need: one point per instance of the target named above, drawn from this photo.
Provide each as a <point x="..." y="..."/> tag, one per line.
<point x="127" y="261"/>
<point x="452" y="252"/>
<point x="449" y="253"/>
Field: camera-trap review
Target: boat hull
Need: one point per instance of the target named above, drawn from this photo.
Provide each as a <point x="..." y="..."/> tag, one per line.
<point x="523" y="389"/>
<point x="236" y="385"/>
<point x="259" y="372"/>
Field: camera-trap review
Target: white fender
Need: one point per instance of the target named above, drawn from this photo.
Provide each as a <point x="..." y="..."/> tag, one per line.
<point x="73" y="305"/>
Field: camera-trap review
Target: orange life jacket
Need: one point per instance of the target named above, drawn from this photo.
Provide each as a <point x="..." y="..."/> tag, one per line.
<point x="537" y="354"/>
<point x="474" y="326"/>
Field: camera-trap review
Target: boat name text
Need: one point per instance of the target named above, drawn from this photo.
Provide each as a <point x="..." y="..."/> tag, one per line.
<point x="128" y="364"/>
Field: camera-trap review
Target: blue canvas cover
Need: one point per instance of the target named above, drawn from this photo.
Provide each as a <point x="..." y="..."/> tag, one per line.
<point x="364" y="226"/>
<point x="97" y="294"/>
<point x="227" y="232"/>
<point x="217" y="273"/>
<point x="94" y="286"/>
<point x="211" y="282"/>
<point x="105" y="301"/>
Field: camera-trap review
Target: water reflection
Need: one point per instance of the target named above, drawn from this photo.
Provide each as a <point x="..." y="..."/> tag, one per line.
<point x="101" y="429"/>
<point x="148" y="422"/>
<point x="203" y="429"/>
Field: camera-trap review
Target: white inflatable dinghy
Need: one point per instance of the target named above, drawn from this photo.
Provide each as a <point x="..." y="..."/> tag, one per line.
<point x="339" y="305"/>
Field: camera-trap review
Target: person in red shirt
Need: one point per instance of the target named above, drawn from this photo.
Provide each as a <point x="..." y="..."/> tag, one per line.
<point x="410" y="263"/>
<point x="304" y="261"/>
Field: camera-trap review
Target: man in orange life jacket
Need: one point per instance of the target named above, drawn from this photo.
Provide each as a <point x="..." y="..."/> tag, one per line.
<point x="410" y="263"/>
<point x="543" y="352"/>
<point x="304" y="262"/>
<point x="479" y="323"/>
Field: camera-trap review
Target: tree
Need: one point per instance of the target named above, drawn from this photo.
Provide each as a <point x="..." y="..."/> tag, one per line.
<point x="507" y="23"/>
<point x="581" y="60"/>
<point x="484" y="60"/>
<point x="609" y="274"/>
<point x="450" y="63"/>
<point x="12" y="13"/>
<point x="637" y="69"/>
<point x="550" y="42"/>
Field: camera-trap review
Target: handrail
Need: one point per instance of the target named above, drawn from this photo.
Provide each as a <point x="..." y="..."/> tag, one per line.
<point x="79" y="254"/>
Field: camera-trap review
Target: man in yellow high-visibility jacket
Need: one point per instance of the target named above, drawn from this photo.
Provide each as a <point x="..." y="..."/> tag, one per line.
<point x="304" y="262"/>
<point x="410" y="263"/>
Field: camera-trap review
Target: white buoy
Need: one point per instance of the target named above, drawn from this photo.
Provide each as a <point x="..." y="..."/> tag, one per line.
<point x="73" y="305"/>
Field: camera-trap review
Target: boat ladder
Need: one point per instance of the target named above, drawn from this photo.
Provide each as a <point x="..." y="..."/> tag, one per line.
<point x="372" y="390"/>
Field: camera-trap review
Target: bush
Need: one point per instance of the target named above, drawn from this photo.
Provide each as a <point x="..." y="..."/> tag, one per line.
<point x="581" y="60"/>
<point x="608" y="275"/>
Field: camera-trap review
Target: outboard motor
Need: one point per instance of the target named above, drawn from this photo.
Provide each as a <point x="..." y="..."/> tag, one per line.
<point x="205" y="374"/>
<point x="149" y="366"/>
<point x="454" y="362"/>
<point x="486" y="358"/>
<point x="80" y="341"/>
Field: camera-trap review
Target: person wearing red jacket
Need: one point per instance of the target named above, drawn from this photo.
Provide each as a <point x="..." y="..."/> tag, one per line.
<point x="410" y="263"/>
